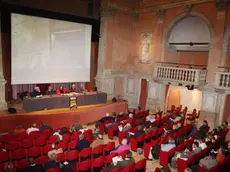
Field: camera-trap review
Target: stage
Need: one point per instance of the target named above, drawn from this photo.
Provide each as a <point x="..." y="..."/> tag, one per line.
<point x="59" y="117"/>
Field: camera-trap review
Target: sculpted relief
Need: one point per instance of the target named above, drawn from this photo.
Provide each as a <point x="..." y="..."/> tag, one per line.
<point x="145" y="47"/>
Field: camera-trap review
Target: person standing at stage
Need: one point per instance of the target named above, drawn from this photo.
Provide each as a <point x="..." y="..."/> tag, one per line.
<point x="80" y="88"/>
<point x="61" y="90"/>
<point x="73" y="89"/>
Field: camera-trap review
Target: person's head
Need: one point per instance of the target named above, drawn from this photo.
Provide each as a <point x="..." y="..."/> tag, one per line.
<point x="81" y="137"/>
<point x="63" y="130"/>
<point x="52" y="156"/>
<point x="189" y="147"/>
<point x="171" y="141"/>
<point x="73" y="86"/>
<point x="130" y="115"/>
<point x="18" y="126"/>
<point x="129" y="154"/>
<point x="139" y="127"/>
<point x="49" y="88"/>
<point x="202" y="140"/>
<point x="31" y="161"/>
<point x="124" y="141"/>
<point x="226" y="123"/>
<point x="99" y="136"/>
<point x="128" y="125"/>
<point x="60" y="87"/>
<point x="121" y="113"/>
<point x="195" y="145"/>
<point x="37" y="89"/>
<point x="174" y="127"/>
<point x="221" y="150"/>
<point x="34" y="125"/>
<point x="107" y="114"/>
<point x="187" y="170"/>
<point x="205" y="122"/>
<point x="9" y="167"/>
<point x="179" y="125"/>
<point x="140" y="151"/>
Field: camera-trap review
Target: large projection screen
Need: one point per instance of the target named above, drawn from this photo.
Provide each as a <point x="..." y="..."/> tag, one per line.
<point x="49" y="51"/>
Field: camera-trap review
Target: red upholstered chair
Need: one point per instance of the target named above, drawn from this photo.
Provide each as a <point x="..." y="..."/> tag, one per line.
<point x="46" y="132"/>
<point x="46" y="149"/>
<point x="52" y="140"/>
<point x="2" y="146"/>
<point x="75" y="136"/>
<point x="72" y="155"/>
<point x="42" y="159"/>
<point x="72" y="144"/>
<point x="97" y="150"/>
<point x="148" y="136"/>
<point x="109" y="147"/>
<point x="63" y="145"/>
<point x="27" y="143"/>
<point x="140" y="165"/>
<point x="83" y="166"/>
<point x="129" y="167"/>
<point x="21" y="164"/>
<point x="88" y="133"/>
<point x="66" y="137"/>
<point x="40" y="141"/>
<point x="18" y="154"/>
<point x="164" y="156"/>
<point x="12" y="145"/>
<point x="21" y="136"/>
<point x="97" y="163"/>
<point x="34" y="151"/>
<point x="108" y="158"/>
<point x="147" y="148"/>
<point x="135" y="142"/>
<point x="33" y="135"/>
<point x="53" y="170"/>
<point x="122" y="135"/>
<point x="123" y="154"/>
<point x="4" y="156"/>
<point x="111" y="131"/>
<point x="7" y="138"/>
<point x="61" y="157"/>
<point x="85" y="153"/>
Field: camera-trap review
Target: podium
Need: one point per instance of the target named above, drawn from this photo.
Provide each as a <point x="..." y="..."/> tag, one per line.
<point x="72" y="101"/>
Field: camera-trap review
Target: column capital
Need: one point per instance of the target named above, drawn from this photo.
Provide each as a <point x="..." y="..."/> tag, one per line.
<point x="221" y="6"/>
<point x="188" y="9"/>
<point x="161" y="15"/>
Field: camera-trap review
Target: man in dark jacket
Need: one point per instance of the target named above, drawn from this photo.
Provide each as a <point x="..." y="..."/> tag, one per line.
<point x="83" y="143"/>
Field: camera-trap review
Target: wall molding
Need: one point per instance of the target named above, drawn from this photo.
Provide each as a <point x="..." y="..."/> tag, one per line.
<point x="159" y="7"/>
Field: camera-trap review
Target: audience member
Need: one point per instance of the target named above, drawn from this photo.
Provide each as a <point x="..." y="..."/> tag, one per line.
<point x="125" y="128"/>
<point x="61" y="90"/>
<point x="220" y="156"/>
<point x="36" y="92"/>
<point x="83" y="143"/>
<point x="32" y="128"/>
<point x="52" y="163"/>
<point x="54" y="150"/>
<point x="201" y="133"/>
<point x="124" y="146"/>
<point x="97" y="142"/>
<point x="188" y="170"/>
<point x="19" y="129"/>
<point x="9" y="167"/>
<point x="139" y="155"/>
<point x="169" y="146"/>
<point x="44" y="126"/>
<point x="196" y="147"/>
<point x="128" y="160"/>
<point x="60" y="133"/>
<point x="33" y="167"/>
<point x="202" y="143"/>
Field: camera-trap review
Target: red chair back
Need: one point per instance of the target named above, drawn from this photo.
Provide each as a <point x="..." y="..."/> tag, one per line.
<point x="86" y="152"/>
<point x="27" y="143"/>
<point x="42" y="159"/>
<point x="61" y="157"/>
<point x="46" y="149"/>
<point x="18" y="154"/>
<point x="129" y="167"/>
<point x="4" y="156"/>
<point x="53" y="170"/>
<point x="141" y="165"/>
<point x="72" y="144"/>
<point x="12" y="145"/>
<point x="34" y="151"/>
<point x="7" y="138"/>
<point x="63" y="145"/>
<point x="33" y="135"/>
<point x="40" y="141"/>
<point x="21" y="164"/>
<point x="88" y="133"/>
<point x="98" y="150"/>
<point x="72" y="155"/>
<point x="21" y="136"/>
<point x="98" y="162"/>
<point x="66" y="137"/>
<point x="53" y="139"/>
<point x="83" y="166"/>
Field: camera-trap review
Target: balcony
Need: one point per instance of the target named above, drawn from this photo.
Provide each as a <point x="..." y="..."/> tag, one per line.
<point x="222" y="80"/>
<point x="180" y="75"/>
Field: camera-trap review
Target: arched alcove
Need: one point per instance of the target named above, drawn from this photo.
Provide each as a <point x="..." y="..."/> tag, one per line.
<point x="189" y="34"/>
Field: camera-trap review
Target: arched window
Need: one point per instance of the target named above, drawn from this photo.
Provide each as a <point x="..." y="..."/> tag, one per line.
<point x="190" y="34"/>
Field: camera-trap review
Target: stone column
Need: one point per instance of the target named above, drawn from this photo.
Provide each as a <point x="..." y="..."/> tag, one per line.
<point x="3" y="104"/>
<point x="104" y="78"/>
<point x="216" y="47"/>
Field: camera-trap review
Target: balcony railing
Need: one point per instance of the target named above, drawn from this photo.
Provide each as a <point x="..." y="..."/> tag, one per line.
<point x="182" y="75"/>
<point x="223" y="80"/>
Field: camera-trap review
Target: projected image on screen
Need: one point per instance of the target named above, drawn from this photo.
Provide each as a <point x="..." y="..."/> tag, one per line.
<point x="49" y="51"/>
